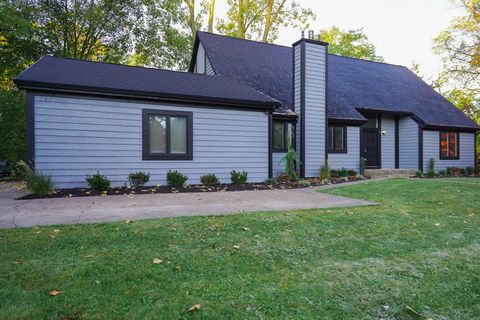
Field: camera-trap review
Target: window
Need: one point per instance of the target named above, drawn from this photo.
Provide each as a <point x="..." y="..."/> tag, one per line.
<point x="449" y="145"/>
<point x="167" y="135"/>
<point x="280" y="133"/>
<point x="337" y="139"/>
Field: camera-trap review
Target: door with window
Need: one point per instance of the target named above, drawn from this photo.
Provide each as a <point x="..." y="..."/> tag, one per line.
<point x="370" y="142"/>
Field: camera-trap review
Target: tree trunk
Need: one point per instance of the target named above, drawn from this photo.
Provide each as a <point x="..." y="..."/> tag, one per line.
<point x="211" y="13"/>
<point x="241" y="19"/>
<point x="268" y="20"/>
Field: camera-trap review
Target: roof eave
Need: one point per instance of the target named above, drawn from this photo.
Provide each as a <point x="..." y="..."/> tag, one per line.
<point x="217" y="101"/>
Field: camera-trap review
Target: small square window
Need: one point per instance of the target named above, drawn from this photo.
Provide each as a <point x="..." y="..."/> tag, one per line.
<point x="167" y="135"/>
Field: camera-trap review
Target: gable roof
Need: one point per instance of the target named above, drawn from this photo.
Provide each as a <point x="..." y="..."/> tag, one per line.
<point x="60" y="74"/>
<point x="353" y="84"/>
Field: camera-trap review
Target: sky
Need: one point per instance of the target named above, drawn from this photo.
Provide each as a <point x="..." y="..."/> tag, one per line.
<point x="401" y="30"/>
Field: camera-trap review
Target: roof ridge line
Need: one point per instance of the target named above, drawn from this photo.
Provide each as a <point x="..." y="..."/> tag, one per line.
<point x="129" y="66"/>
<point x="242" y="39"/>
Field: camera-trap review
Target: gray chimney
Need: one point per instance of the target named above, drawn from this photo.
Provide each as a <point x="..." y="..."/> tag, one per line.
<point x="310" y="34"/>
<point x="310" y="102"/>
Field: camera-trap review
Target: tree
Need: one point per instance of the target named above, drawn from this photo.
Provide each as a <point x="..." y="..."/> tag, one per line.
<point x="12" y="125"/>
<point x="459" y="46"/>
<point x="261" y="20"/>
<point x="351" y="43"/>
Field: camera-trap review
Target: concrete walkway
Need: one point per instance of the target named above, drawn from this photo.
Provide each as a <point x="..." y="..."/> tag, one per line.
<point x="28" y="213"/>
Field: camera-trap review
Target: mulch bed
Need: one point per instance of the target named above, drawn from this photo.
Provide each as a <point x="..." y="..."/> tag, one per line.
<point x="448" y="176"/>
<point x="87" y="192"/>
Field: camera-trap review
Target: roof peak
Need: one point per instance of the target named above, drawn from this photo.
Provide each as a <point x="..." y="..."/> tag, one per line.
<point x="242" y="39"/>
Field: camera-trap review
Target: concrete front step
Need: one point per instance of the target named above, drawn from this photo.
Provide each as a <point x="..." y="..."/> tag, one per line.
<point x="388" y="173"/>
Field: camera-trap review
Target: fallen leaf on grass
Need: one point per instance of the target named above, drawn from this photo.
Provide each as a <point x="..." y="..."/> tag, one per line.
<point x="236" y="247"/>
<point x="56" y="230"/>
<point x="38" y="232"/>
<point x="53" y="237"/>
<point x="157" y="261"/>
<point x="195" y="307"/>
<point x="129" y="221"/>
<point x="437" y="224"/>
<point x="245" y="228"/>
<point x="54" y="293"/>
<point x="177" y="267"/>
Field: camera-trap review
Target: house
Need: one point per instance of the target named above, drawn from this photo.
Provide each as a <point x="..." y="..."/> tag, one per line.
<point x="239" y="106"/>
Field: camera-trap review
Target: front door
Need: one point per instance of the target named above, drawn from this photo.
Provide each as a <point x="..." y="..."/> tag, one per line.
<point x="370" y="147"/>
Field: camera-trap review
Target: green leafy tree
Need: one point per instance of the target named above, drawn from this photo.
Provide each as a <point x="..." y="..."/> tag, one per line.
<point x="459" y="48"/>
<point x="351" y="43"/>
<point x="12" y="125"/>
<point x="261" y="20"/>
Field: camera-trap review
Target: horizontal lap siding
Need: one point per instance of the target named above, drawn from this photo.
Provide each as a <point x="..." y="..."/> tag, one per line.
<point x="388" y="142"/>
<point x="278" y="166"/>
<point x="431" y="149"/>
<point x="315" y="84"/>
<point x="351" y="159"/>
<point x="408" y="143"/>
<point x="75" y="137"/>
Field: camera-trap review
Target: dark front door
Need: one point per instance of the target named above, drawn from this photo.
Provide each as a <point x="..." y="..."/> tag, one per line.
<point x="370" y="147"/>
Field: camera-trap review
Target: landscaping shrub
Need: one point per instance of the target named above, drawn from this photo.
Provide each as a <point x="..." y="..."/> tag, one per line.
<point x="98" y="182"/>
<point x="470" y="170"/>
<point x="360" y="177"/>
<point x="443" y="173"/>
<point x="431" y="168"/>
<point x="39" y="183"/>
<point x="176" y="179"/>
<point x="270" y="181"/>
<point x="419" y="173"/>
<point x="343" y="173"/>
<point x="138" y="179"/>
<point x="363" y="161"/>
<point x="325" y="171"/>
<point x="334" y="173"/>
<point x="453" y="171"/>
<point x="304" y="183"/>
<point x="462" y="171"/>
<point x="291" y="159"/>
<point x="238" y="177"/>
<point x="352" y="172"/>
<point x="283" y="178"/>
<point x="210" y="180"/>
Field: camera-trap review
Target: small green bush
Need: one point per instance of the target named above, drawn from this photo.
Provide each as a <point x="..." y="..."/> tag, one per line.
<point x="431" y="168"/>
<point x="360" y="177"/>
<point x="443" y="173"/>
<point x="238" y="177"/>
<point x="39" y="183"/>
<point x="419" y="173"/>
<point x="334" y="173"/>
<point x="325" y="171"/>
<point x="363" y="162"/>
<point x="138" y="179"/>
<point x="291" y="159"/>
<point x="469" y="170"/>
<point x="98" y="182"/>
<point x="210" y="180"/>
<point x="176" y="179"/>
<point x="343" y="172"/>
<point x="352" y="172"/>
<point x="462" y="171"/>
<point x="304" y="183"/>
<point x="270" y="181"/>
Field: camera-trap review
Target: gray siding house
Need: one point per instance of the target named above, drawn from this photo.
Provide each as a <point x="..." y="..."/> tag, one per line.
<point x="240" y="106"/>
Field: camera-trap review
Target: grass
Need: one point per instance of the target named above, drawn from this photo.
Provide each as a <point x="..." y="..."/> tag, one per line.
<point x="415" y="256"/>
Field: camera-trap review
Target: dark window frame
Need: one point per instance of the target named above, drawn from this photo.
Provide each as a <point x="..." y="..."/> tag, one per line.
<point x="147" y="155"/>
<point x="457" y="145"/>
<point x="344" y="130"/>
<point x="285" y="136"/>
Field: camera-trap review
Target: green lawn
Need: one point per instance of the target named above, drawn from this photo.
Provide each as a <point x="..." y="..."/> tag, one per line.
<point x="415" y="256"/>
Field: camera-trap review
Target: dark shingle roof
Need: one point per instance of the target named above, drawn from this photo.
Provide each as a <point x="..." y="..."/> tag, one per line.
<point x="352" y="83"/>
<point x="72" y="74"/>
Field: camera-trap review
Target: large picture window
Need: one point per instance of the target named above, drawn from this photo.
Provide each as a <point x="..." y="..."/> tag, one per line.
<point x="337" y="139"/>
<point x="449" y="145"/>
<point x="167" y="135"/>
